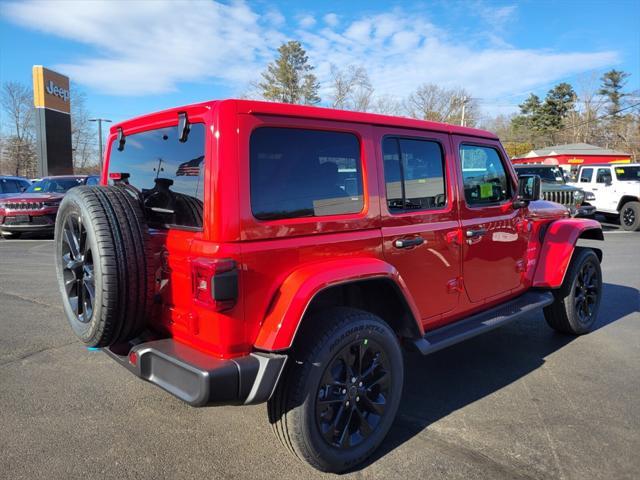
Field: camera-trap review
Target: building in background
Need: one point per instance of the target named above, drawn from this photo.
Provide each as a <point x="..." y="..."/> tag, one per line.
<point x="569" y="157"/>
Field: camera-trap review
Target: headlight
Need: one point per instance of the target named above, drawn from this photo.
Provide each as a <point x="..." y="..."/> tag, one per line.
<point x="578" y="196"/>
<point x="589" y="196"/>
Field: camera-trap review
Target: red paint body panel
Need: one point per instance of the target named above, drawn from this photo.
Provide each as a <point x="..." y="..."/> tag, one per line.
<point x="283" y="264"/>
<point x="301" y="286"/>
<point x="559" y="242"/>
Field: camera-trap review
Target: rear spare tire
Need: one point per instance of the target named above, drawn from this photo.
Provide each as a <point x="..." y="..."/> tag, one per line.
<point x="103" y="264"/>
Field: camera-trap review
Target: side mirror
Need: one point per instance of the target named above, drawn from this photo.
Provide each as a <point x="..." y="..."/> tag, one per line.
<point x="608" y="181"/>
<point x="528" y="190"/>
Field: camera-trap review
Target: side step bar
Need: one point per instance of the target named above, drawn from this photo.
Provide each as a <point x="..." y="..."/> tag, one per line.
<point x="495" y="317"/>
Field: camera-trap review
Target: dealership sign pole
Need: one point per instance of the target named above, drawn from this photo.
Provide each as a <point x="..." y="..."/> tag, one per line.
<point x="52" y="102"/>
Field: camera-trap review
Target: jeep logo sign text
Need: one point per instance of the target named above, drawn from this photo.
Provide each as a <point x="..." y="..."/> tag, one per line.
<point x="53" y="89"/>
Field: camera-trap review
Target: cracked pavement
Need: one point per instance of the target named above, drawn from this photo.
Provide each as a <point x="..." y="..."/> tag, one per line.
<point x="519" y="402"/>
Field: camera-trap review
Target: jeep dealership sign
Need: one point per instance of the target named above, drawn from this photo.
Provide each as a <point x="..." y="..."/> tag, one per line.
<point x="52" y="102"/>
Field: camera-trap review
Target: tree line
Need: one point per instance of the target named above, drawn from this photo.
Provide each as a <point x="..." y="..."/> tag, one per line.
<point x="599" y="110"/>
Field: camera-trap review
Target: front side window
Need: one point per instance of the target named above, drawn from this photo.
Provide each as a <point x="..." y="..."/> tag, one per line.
<point x="414" y="174"/>
<point x="586" y="175"/>
<point x="484" y="176"/>
<point x="169" y="173"/>
<point x="304" y="173"/>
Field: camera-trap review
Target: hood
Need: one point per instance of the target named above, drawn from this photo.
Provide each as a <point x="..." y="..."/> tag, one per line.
<point x="557" y="187"/>
<point x="32" y="197"/>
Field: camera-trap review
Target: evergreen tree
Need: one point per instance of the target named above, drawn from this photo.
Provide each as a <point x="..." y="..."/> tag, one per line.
<point x="612" y="84"/>
<point x="289" y="79"/>
<point x="557" y="105"/>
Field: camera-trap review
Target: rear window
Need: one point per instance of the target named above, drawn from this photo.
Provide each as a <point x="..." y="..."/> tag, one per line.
<point x="304" y="173"/>
<point x="169" y="173"/>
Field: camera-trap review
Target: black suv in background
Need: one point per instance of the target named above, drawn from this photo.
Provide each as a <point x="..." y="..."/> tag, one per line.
<point x="555" y="189"/>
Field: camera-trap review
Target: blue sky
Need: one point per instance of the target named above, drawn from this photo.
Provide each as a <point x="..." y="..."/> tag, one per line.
<point x="135" y="57"/>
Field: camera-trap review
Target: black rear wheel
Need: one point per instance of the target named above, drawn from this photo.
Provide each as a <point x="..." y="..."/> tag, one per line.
<point x="630" y="216"/>
<point x="340" y="391"/>
<point x="577" y="301"/>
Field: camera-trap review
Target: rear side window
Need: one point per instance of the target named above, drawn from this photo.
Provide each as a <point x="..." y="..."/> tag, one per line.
<point x="414" y="174"/>
<point x="168" y="172"/>
<point x="586" y="174"/>
<point x="304" y="173"/>
<point x="603" y="176"/>
<point x="484" y="176"/>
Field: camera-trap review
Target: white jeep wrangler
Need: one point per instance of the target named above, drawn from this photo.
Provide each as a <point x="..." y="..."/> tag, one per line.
<point x="616" y="191"/>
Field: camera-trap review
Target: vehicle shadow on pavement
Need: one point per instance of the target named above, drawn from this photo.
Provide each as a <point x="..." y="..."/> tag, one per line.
<point x="448" y="380"/>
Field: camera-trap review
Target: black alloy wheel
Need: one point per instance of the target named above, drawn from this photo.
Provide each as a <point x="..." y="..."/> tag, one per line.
<point x="77" y="268"/>
<point x="352" y="397"/>
<point x="628" y="216"/>
<point x="586" y="293"/>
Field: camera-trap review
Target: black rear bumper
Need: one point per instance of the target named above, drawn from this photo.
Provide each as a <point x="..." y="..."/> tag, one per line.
<point x="201" y="379"/>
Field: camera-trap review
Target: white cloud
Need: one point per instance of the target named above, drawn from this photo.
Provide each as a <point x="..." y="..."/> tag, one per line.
<point x="152" y="47"/>
<point x="306" y="21"/>
<point x="331" y="19"/>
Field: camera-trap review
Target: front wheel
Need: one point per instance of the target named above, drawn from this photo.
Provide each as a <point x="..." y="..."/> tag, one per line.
<point x="630" y="216"/>
<point x="576" y="302"/>
<point x="341" y="390"/>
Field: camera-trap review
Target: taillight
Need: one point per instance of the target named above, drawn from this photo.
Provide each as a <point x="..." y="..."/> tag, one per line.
<point x="215" y="283"/>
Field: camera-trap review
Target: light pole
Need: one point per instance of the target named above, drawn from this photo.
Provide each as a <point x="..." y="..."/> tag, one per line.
<point x="100" y="120"/>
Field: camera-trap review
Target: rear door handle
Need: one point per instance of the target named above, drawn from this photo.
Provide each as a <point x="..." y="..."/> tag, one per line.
<point x="476" y="233"/>
<point x="408" y="242"/>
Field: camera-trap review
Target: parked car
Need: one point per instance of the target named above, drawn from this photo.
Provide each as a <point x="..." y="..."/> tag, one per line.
<point x="35" y="208"/>
<point x="11" y="185"/>
<point x="616" y="191"/>
<point x="286" y="254"/>
<point x="556" y="189"/>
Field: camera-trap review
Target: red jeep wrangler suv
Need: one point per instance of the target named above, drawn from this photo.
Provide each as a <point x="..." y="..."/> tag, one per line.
<point x="240" y="252"/>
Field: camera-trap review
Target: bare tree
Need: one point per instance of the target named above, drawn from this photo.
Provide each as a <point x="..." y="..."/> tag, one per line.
<point x="388" y="105"/>
<point x="435" y="103"/>
<point x="83" y="132"/>
<point x="17" y="106"/>
<point x="351" y="88"/>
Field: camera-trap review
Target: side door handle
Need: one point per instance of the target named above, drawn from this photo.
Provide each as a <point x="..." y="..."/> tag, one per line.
<point x="476" y="233"/>
<point x="408" y="242"/>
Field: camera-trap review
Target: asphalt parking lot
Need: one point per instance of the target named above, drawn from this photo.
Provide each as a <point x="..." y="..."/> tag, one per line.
<point x="519" y="402"/>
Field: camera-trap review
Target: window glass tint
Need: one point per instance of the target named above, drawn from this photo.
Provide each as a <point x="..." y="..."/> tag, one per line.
<point x="603" y="175"/>
<point x="628" y="173"/>
<point x="586" y="174"/>
<point x="169" y="173"/>
<point x="9" y="186"/>
<point x="304" y="173"/>
<point x="55" y="185"/>
<point x="414" y="174"/>
<point x="483" y="174"/>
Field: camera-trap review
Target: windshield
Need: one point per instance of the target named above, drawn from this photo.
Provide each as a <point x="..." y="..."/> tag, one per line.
<point x="168" y="172"/>
<point x="628" y="173"/>
<point x="550" y="175"/>
<point x="54" y="185"/>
